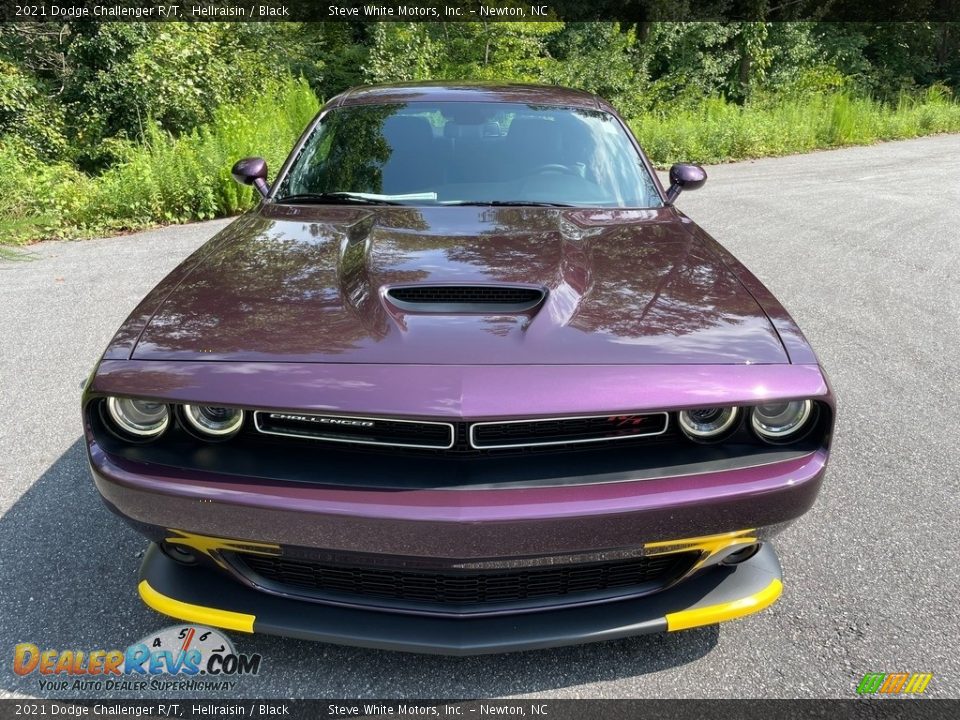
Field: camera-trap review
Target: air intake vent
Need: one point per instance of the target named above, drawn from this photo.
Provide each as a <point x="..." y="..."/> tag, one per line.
<point x="469" y="588"/>
<point x="466" y="298"/>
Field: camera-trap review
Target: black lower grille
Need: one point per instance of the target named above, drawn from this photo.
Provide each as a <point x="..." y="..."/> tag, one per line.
<point x="465" y="588"/>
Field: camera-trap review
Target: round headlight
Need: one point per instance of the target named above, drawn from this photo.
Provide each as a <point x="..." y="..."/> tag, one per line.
<point x="706" y="424"/>
<point x="142" y="418"/>
<point x="212" y="420"/>
<point x="780" y="421"/>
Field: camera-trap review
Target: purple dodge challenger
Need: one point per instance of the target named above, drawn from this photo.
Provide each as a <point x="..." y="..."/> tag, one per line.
<point x="464" y="380"/>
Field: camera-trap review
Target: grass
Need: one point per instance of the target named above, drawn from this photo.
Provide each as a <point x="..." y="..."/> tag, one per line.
<point x="718" y="131"/>
<point x="164" y="180"/>
<point x="173" y="180"/>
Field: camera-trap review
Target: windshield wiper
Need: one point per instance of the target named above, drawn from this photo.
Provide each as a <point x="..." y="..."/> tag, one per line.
<point x="507" y="203"/>
<point x="333" y="198"/>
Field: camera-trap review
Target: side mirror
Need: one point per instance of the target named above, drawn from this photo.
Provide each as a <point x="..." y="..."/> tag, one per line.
<point x="685" y="177"/>
<point x="252" y="171"/>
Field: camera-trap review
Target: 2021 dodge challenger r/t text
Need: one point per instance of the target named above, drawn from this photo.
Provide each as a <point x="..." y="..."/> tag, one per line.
<point x="463" y="381"/>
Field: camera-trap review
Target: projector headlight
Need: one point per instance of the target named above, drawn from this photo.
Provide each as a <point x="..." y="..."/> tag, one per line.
<point x="139" y="418"/>
<point x="779" y="422"/>
<point x="708" y="424"/>
<point x="213" y="421"/>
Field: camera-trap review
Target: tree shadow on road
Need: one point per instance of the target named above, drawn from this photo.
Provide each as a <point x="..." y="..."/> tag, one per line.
<point x="68" y="575"/>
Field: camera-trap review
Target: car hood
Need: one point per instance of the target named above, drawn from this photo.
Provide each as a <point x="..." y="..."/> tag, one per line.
<point x="307" y="284"/>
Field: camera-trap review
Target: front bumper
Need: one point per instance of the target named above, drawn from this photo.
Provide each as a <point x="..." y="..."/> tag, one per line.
<point x="459" y="524"/>
<point x="442" y="509"/>
<point x="715" y="594"/>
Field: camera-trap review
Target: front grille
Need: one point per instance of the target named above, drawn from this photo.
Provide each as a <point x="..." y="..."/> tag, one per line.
<point x="461" y="438"/>
<point x="466" y="298"/>
<point x="459" y="588"/>
<point x="564" y="431"/>
<point x="357" y="430"/>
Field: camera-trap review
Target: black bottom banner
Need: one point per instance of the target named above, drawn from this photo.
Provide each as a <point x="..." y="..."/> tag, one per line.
<point x="470" y="709"/>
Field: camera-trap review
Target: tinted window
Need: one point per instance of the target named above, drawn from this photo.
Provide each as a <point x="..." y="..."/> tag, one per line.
<point x="446" y="153"/>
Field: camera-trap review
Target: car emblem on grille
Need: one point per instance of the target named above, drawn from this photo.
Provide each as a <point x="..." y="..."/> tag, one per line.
<point x="323" y="420"/>
<point x="626" y="420"/>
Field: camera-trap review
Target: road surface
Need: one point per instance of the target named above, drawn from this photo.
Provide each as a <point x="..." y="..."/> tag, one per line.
<point x="862" y="246"/>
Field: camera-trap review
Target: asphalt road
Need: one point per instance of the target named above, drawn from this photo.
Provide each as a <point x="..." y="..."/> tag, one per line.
<point x="861" y="245"/>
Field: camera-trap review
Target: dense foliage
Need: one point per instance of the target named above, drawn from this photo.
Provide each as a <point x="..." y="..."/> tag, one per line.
<point x="117" y="126"/>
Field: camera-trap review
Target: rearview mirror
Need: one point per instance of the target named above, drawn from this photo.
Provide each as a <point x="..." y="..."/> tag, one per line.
<point x="685" y="177"/>
<point x="252" y="171"/>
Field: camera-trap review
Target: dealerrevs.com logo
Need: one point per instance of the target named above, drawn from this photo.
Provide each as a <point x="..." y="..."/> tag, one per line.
<point x="180" y="657"/>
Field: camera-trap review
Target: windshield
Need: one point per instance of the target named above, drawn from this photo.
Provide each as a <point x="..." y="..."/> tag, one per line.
<point x="457" y="153"/>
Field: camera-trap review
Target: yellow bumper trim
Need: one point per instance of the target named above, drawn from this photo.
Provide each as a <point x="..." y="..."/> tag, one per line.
<point x="711" y="614"/>
<point x="195" y="613"/>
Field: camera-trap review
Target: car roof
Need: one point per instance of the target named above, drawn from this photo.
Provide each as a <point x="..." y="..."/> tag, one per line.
<point x="467" y="92"/>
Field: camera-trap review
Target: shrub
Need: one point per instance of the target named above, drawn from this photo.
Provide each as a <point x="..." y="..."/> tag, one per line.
<point x="716" y="130"/>
<point x="167" y="179"/>
<point x="164" y="180"/>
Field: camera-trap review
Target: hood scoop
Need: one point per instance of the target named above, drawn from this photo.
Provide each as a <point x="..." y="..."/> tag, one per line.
<point x="453" y="299"/>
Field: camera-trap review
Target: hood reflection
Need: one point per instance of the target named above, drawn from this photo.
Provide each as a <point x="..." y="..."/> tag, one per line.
<point x="304" y="284"/>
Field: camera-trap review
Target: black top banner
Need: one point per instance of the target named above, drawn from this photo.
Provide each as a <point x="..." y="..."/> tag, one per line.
<point x="529" y="709"/>
<point x="631" y="11"/>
